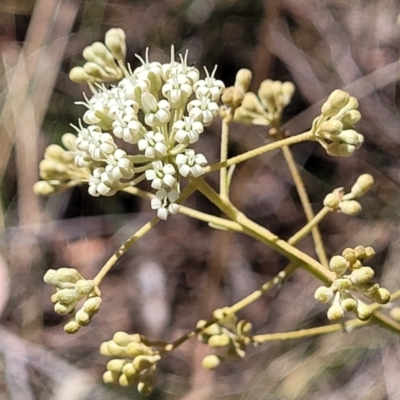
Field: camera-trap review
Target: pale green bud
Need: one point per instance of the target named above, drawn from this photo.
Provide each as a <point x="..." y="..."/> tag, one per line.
<point x="350" y="207"/>
<point x="350" y="119"/>
<point x="48" y="188"/>
<point x="130" y="371"/>
<point x="115" y="41"/>
<point x="335" y="312"/>
<point x="348" y="304"/>
<point x="84" y="287"/>
<point x="362" y="275"/>
<point x="68" y="140"/>
<point x="55" y="152"/>
<point x="352" y="137"/>
<point x="79" y="75"/>
<point x="67" y="296"/>
<point x="369" y="252"/>
<point x="124" y="380"/>
<point x="342" y="284"/>
<point x="64" y="309"/>
<point x="82" y="317"/>
<point x="362" y="185"/>
<point x="266" y="95"/>
<point x="110" y="377"/>
<point x="72" y="327"/>
<point x="123" y="338"/>
<point x="95" y="71"/>
<point x="103" y="54"/>
<point x="252" y="103"/>
<point x="338" y="265"/>
<point x="115" y="350"/>
<point x="362" y="311"/>
<point x="331" y="127"/>
<point x="349" y="255"/>
<point x="50" y="277"/>
<point x="211" y="362"/>
<point x="232" y="97"/>
<point x="331" y="201"/>
<point x="243" y="79"/>
<point x="336" y="100"/>
<point x="219" y="341"/>
<point x="382" y="296"/>
<point x="323" y="294"/>
<point x="288" y="90"/>
<point x="116" y="365"/>
<point x="369" y="288"/>
<point x="135" y="349"/>
<point x="213" y="329"/>
<point x="68" y="275"/>
<point x="104" y="350"/>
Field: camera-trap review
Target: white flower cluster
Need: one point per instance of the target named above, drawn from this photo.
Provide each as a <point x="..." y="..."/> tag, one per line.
<point x="158" y="110"/>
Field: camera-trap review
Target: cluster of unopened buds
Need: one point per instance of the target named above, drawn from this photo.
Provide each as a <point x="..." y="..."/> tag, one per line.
<point x="351" y="277"/>
<point x="227" y="334"/>
<point x="267" y="107"/>
<point x="71" y="288"/>
<point x="139" y="129"/>
<point x="133" y="362"/>
<point x="346" y="203"/>
<point x="334" y="128"/>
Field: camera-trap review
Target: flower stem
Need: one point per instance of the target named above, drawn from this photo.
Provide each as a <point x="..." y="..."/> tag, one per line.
<point x="223" y="182"/>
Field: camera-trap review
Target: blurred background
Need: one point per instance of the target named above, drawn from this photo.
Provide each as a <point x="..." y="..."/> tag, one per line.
<point x="183" y="270"/>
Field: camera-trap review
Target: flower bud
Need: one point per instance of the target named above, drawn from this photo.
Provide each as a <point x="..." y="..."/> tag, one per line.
<point x="72" y="327"/>
<point x="323" y="294"/>
<point x="331" y="201"/>
<point x="335" y="312"/>
<point x="116" y="365"/>
<point x="331" y="127"/>
<point x="350" y="119"/>
<point x="67" y="296"/>
<point x="129" y="370"/>
<point x="68" y="140"/>
<point x="211" y="362"/>
<point x="82" y="317"/>
<point x="244" y="327"/>
<point x="84" y="286"/>
<point x="68" y="275"/>
<point x="382" y="296"/>
<point x="288" y="90"/>
<point x="362" y="275"/>
<point x="350" y="136"/>
<point x="48" y="188"/>
<point x="115" y="41"/>
<point x="219" y="341"/>
<point x="350" y="207"/>
<point x="50" y="277"/>
<point x="336" y="100"/>
<point x="348" y="304"/>
<point x="349" y="255"/>
<point x="362" y="311"/>
<point x="104" y="350"/>
<point x="232" y="97"/>
<point x="342" y="284"/>
<point x="115" y="350"/>
<point x="95" y="71"/>
<point x="64" y="309"/>
<point x="338" y="265"/>
<point x="362" y="185"/>
<point x="110" y="377"/>
<point x="123" y="338"/>
<point x="78" y="75"/>
<point x="369" y="252"/>
<point x="135" y="349"/>
<point x="243" y="79"/>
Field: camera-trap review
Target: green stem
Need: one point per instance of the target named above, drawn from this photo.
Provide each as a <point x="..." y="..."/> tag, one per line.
<point x="261" y="150"/>
<point x="223" y="182"/>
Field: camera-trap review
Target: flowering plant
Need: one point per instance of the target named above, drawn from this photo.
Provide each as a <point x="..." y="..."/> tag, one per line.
<point x="142" y="128"/>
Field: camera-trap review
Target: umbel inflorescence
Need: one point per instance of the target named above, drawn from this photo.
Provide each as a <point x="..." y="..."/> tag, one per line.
<point x="141" y="127"/>
<point x="156" y="111"/>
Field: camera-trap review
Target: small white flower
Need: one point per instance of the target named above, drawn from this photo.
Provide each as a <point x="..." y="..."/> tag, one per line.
<point x="153" y="144"/>
<point x="127" y="128"/>
<point x="209" y="87"/>
<point x="100" y="184"/>
<point x="187" y="130"/>
<point x="177" y="90"/>
<point x="150" y="71"/>
<point x="119" y="166"/>
<point x="190" y="163"/>
<point x="203" y="110"/>
<point x="161" y="175"/>
<point x="156" y="113"/>
<point x="165" y="203"/>
<point x="134" y="87"/>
